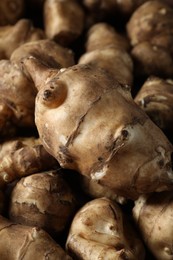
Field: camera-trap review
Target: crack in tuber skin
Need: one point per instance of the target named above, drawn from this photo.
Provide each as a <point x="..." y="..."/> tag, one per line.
<point x="114" y="128"/>
<point x="23" y="157"/>
<point x="27" y="243"/>
<point x="99" y="229"/>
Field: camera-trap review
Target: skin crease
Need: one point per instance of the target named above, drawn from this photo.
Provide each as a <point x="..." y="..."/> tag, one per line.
<point x="116" y="155"/>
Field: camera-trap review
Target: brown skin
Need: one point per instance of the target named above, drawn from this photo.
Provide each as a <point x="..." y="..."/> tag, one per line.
<point x="150" y="30"/>
<point x="156" y="99"/>
<point x="2" y="201"/>
<point x="12" y="36"/>
<point x="23" y="242"/>
<point x="23" y="157"/>
<point x="96" y="190"/>
<point x="63" y="20"/>
<point x="44" y="200"/>
<point x="17" y="91"/>
<point x="154" y="217"/>
<point x="11" y="11"/>
<point x="107" y="49"/>
<point x="108" y="138"/>
<point x="100" y="231"/>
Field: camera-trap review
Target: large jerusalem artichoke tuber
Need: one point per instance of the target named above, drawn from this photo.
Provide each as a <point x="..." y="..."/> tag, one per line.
<point x="154" y="217"/>
<point x="44" y="200"/>
<point x="100" y="231"/>
<point x="23" y="242"/>
<point x="90" y="123"/>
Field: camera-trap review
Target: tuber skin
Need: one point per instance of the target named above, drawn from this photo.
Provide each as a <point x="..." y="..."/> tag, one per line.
<point x="44" y="200"/>
<point x="17" y="95"/>
<point x="99" y="230"/>
<point x="107" y="49"/>
<point x="95" y="190"/>
<point x="2" y="201"/>
<point x="23" y="157"/>
<point x="156" y="98"/>
<point x="108" y="138"/>
<point x="23" y="242"/>
<point x="63" y="20"/>
<point x="154" y="217"/>
<point x="151" y="35"/>
<point x="11" y="11"/>
<point x="12" y="36"/>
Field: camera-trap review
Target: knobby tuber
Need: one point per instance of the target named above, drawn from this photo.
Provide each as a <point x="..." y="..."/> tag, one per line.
<point x="63" y="20"/>
<point x="11" y="11"/>
<point x="17" y="95"/>
<point x="108" y="138"/>
<point x="154" y="217"/>
<point x="23" y="157"/>
<point x="44" y="200"/>
<point x="12" y="36"/>
<point x="99" y="230"/>
<point x="156" y="99"/>
<point x="107" y="49"/>
<point x="23" y="242"/>
<point x="150" y="30"/>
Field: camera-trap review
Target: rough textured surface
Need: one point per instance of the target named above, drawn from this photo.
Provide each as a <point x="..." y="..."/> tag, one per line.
<point x="90" y="123"/>
<point x="22" y="242"/>
<point x="44" y="200"/>
<point x="23" y="157"/>
<point x="100" y="231"/>
<point x="154" y="217"/>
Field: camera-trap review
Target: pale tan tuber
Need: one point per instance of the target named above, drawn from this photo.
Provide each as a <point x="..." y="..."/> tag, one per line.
<point x="156" y="98"/>
<point x="22" y="157"/>
<point x="99" y="230"/>
<point x="23" y="242"/>
<point x="44" y="200"/>
<point x="90" y="123"/>
<point x="150" y="30"/>
<point x="107" y="49"/>
<point x="154" y="217"/>
<point x="12" y="36"/>
<point x="63" y="20"/>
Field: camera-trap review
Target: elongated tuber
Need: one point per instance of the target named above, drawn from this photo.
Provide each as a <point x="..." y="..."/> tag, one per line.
<point x="100" y="231"/>
<point x="23" y="157"/>
<point x="44" y="200"/>
<point x="150" y="30"/>
<point x="156" y="99"/>
<point x="108" y="138"/>
<point x="154" y="217"/>
<point x="23" y="242"/>
<point x="63" y="20"/>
